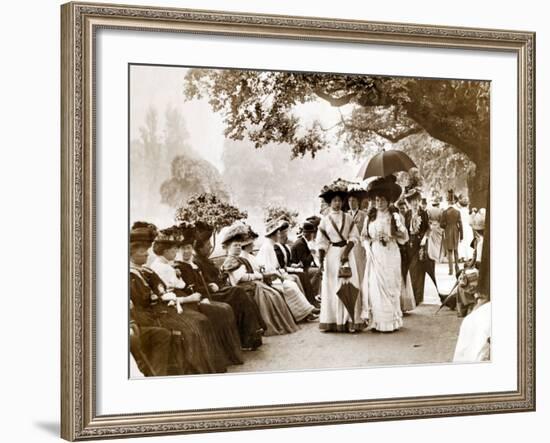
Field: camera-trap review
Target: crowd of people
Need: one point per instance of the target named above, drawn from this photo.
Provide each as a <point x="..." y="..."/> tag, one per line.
<point x="359" y="264"/>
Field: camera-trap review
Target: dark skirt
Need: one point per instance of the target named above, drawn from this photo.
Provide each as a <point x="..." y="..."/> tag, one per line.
<point x="247" y="315"/>
<point x="223" y="322"/>
<point x="195" y="348"/>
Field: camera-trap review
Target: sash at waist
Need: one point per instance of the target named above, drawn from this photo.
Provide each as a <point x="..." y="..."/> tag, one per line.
<point x="339" y="244"/>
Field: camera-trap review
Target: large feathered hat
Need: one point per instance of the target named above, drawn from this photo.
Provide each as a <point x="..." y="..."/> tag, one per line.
<point x="236" y="232"/>
<point x="203" y="231"/>
<point x="143" y="232"/>
<point x="413" y="194"/>
<point x="250" y="236"/>
<point x="384" y="187"/>
<point x="338" y="187"/>
<point x="358" y="190"/>
<point x="169" y="236"/>
<point x="274" y="225"/>
<point x="186" y="233"/>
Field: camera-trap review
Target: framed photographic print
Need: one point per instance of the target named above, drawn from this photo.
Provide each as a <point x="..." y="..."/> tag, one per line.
<point x="284" y="221"/>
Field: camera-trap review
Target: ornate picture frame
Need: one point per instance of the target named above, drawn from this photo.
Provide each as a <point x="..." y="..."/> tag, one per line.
<point x="80" y="22"/>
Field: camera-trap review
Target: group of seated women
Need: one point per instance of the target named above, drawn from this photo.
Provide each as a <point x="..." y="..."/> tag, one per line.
<point x="188" y="316"/>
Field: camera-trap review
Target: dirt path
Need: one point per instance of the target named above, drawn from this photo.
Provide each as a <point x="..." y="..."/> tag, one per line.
<point x="425" y="338"/>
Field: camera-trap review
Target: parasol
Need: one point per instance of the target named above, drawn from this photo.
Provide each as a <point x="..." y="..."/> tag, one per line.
<point x="386" y="163"/>
<point x="348" y="295"/>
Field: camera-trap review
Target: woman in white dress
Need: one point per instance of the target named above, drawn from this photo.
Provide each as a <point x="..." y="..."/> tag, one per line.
<point x="336" y="237"/>
<point x="382" y="232"/>
<point x="358" y="216"/>
<point x="242" y="270"/>
<point x="465" y="249"/>
<point x="267" y="259"/>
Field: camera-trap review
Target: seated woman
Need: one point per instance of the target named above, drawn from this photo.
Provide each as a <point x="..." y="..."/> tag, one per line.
<point x="246" y="313"/>
<point x="194" y="348"/>
<point x="267" y="258"/>
<point x="244" y="272"/>
<point x="220" y="315"/>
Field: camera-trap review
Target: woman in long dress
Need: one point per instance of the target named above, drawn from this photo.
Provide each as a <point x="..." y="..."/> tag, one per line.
<point x="221" y="315"/>
<point x="358" y="217"/>
<point x="243" y="271"/>
<point x="247" y="316"/>
<point x="194" y="348"/>
<point x="383" y="282"/>
<point x="296" y="300"/>
<point x="336" y="237"/>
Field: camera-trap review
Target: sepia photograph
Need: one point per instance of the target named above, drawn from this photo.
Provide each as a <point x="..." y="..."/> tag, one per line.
<point x="283" y="221"/>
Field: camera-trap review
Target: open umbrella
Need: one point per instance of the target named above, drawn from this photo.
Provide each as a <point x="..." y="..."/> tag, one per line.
<point x="348" y="295"/>
<point x="386" y="163"/>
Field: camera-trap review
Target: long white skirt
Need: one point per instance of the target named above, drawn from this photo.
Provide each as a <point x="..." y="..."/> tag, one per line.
<point x="382" y="286"/>
<point x="295" y="299"/>
<point x="334" y="315"/>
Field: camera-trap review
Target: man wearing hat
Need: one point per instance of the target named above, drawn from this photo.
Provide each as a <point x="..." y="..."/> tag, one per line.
<point x="295" y="270"/>
<point x="301" y="255"/>
<point x="267" y="258"/>
<point x="451" y="222"/>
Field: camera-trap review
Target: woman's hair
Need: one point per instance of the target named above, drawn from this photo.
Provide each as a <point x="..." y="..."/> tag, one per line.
<point x="135" y="245"/>
<point x="392" y="210"/>
<point x="160" y="247"/>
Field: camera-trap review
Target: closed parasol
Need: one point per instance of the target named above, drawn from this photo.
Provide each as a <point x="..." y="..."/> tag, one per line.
<point x="348" y="294"/>
<point x="386" y="163"/>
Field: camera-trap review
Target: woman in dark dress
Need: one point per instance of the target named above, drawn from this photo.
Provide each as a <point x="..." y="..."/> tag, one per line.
<point x="243" y="272"/>
<point x="418" y="262"/>
<point x="193" y="348"/>
<point x="220" y="315"/>
<point x="247" y="317"/>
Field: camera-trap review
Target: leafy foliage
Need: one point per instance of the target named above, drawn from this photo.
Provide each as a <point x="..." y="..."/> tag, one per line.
<point x="191" y="175"/>
<point x="210" y="210"/>
<point x="275" y="212"/>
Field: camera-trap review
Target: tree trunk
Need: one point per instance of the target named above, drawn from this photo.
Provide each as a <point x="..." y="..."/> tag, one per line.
<point x="484" y="284"/>
<point x="478" y="188"/>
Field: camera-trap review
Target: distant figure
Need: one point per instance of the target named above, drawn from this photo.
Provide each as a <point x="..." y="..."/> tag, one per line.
<point x="451" y="222"/>
<point x="436" y="248"/>
<point x="358" y="217"/>
<point x="464" y="248"/>
<point x="302" y="255"/>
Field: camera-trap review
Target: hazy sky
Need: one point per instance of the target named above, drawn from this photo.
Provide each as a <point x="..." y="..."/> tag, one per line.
<point x="160" y="86"/>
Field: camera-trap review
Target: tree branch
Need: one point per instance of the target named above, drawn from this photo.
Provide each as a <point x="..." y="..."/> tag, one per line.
<point x="334" y="101"/>
<point x="394" y="139"/>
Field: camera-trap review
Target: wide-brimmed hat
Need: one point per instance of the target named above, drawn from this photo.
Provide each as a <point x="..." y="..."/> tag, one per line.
<point x="186" y="234"/>
<point x="283" y="224"/>
<point x="308" y="227"/>
<point x="250" y="236"/>
<point x="357" y="190"/>
<point x="339" y="187"/>
<point x="314" y="220"/>
<point x="169" y="236"/>
<point x="384" y="187"/>
<point x="271" y="227"/>
<point x="413" y="194"/>
<point x="203" y="231"/>
<point x="143" y="232"/>
<point x="236" y="232"/>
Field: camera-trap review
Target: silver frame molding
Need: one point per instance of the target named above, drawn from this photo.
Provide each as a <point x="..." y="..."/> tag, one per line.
<point x="79" y="22"/>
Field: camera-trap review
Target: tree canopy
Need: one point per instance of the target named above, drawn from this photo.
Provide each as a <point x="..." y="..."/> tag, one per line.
<point x="259" y="106"/>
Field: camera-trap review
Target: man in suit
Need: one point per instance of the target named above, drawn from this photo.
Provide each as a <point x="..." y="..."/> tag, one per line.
<point x="452" y="225"/>
<point x="283" y="253"/>
<point x="300" y="253"/>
